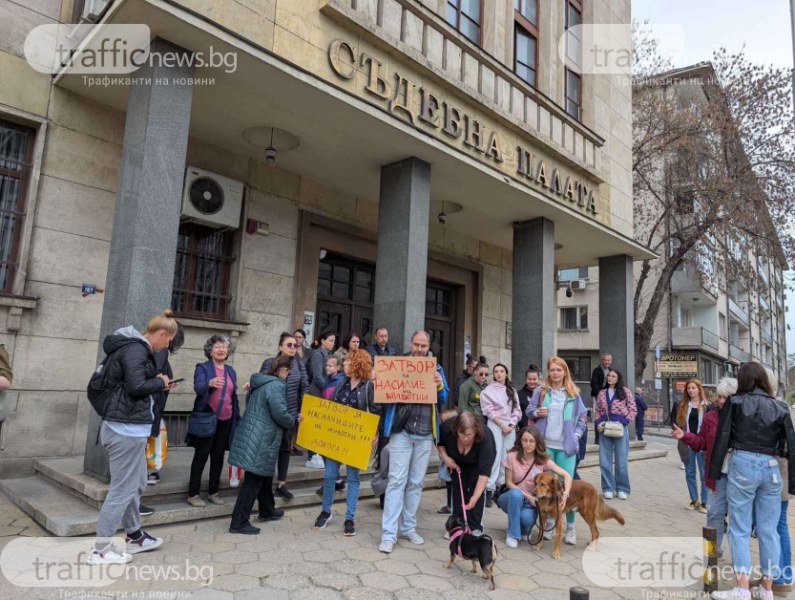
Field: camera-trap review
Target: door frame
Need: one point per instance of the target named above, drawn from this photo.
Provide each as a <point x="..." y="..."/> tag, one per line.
<point x="317" y="232"/>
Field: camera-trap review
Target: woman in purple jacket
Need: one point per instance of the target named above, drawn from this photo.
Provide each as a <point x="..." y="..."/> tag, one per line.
<point x="614" y="403"/>
<point x="560" y="416"/>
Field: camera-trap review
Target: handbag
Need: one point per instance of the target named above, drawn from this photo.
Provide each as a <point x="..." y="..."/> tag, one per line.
<point x="504" y="487"/>
<point x="202" y="424"/>
<point x="613" y="429"/>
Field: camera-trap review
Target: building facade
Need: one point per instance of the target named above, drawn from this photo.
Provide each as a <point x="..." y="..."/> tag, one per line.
<point x="345" y="163"/>
<point x="725" y="304"/>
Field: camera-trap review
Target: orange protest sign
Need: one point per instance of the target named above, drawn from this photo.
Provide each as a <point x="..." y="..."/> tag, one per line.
<point x="405" y="379"/>
<point x="337" y="431"/>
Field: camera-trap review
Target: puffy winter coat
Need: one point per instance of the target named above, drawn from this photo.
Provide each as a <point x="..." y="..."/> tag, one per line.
<point x="296" y="382"/>
<point x="259" y="434"/>
<point x="133" y="366"/>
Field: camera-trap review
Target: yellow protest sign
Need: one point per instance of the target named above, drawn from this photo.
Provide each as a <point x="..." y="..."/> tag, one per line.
<point x="340" y="432"/>
<point x="405" y="379"/>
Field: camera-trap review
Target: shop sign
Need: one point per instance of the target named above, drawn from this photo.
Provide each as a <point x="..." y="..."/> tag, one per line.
<point x="676" y="365"/>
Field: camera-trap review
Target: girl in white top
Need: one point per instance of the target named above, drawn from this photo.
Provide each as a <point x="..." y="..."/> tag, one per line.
<point x="499" y="403"/>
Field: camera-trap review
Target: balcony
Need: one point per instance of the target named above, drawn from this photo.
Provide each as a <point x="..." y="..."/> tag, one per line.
<point x="738" y="312"/>
<point x="695" y="337"/>
<point x="738" y="354"/>
<point x="688" y="281"/>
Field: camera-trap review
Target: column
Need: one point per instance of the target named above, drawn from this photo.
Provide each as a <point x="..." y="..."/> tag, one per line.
<point x="533" y="329"/>
<point x="146" y="216"/>
<point x="402" y="260"/>
<point x="616" y="314"/>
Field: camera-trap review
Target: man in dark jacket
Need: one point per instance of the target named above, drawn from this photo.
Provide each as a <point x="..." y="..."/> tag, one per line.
<point x="598" y="378"/>
<point x="381" y="346"/>
<point x="640" y="418"/>
<point x="127" y="422"/>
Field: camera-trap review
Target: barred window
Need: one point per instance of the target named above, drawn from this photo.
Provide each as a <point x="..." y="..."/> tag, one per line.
<point x="16" y="147"/>
<point x="202" y="272"/>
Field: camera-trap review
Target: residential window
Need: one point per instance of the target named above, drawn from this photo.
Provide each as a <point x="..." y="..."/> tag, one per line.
<point x="526" y="40"/>
<point x="574" y="318"/>
<point x="573" y="77"/>
<point x="579" y="367"/>
<point x="202" y="272"/>
<point x="465" y="16"/>
<point x="16" y="151"/>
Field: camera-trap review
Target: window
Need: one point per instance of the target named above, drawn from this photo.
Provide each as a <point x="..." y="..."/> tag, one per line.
<point x="579" y="366"/>
<point x="438" y="301"/>
<point x="465" y="16"/>
<point x="202" y="272"/>
<point x="573" y="94"/>
<point x="722" y="325"/>
<point x="526" y="39"/>
<point x="572" y="274"/>
<point x="574" y="318"/>
<point x="573" y="78"/>
<point x="16" y="148"/>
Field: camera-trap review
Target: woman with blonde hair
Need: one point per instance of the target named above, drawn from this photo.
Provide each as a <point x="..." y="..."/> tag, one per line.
<point x="689" y="418"/>
<point x="560" y="416"/>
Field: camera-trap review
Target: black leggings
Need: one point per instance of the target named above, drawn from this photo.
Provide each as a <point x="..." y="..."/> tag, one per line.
<point x="254" y="487"/>
<point x="284" y="455"/>
<point x="474" y="516"/>
<point x="214" y="449"/>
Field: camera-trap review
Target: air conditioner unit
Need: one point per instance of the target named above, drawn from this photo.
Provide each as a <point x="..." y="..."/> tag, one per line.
<point x="578" y="284"/>
<point x="92" y="9"/>
<point x="212" y="199"/>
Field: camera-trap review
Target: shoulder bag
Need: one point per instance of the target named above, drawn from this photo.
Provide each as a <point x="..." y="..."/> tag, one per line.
<point x="504" y="487"/>
<point x="202" y="424"/>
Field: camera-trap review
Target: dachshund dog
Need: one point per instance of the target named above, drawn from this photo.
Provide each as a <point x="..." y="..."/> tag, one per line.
<point x="583" y="498"/>
<point x="467" y="546"/>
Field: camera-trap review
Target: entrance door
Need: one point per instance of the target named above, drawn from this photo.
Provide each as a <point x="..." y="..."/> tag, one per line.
<point x="440" y="317"/>
<point x="345" y="291"/>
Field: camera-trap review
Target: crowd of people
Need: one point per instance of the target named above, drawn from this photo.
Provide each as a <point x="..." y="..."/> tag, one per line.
<point x="492" y="440"/>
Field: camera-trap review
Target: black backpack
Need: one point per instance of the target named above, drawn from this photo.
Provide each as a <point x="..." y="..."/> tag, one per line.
<point x="100" y="386"/>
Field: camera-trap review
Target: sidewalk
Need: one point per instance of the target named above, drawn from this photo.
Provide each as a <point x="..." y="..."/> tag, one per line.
<point x="289" y="560"/>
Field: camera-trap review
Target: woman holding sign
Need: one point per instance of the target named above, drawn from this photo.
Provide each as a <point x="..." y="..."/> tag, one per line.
<point x="356" y="391"/>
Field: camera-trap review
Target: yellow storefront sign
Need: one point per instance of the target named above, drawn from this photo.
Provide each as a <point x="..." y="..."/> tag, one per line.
<point x="337" y="431"/>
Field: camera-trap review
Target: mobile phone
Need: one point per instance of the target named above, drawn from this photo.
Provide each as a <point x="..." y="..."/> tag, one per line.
<point x="176" y="381"/>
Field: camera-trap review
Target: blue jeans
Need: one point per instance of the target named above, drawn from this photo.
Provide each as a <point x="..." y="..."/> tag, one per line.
<point x="615" y="478"/>
<point x="521" y="514"/>
<point x="754" y="489"/>
<point x="785" y="560"/>
<point x="717" y="508"/>
<point x="330" y="477"/>
<point x="695" y="459"/>
<point x="408" y="463"/>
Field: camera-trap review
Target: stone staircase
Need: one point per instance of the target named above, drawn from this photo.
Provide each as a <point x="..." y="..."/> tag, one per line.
<point x="65" y="501"/>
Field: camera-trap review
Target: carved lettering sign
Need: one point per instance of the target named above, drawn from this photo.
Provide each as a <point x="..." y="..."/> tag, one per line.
<point x="425" y="110"/>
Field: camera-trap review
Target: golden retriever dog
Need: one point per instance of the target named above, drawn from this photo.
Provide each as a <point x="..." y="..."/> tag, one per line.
<point x="583" y="498"/>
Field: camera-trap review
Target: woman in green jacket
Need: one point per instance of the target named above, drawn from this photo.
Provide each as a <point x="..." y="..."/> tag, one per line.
<point x="469" y="394"/>
<point x="255" y="447"/>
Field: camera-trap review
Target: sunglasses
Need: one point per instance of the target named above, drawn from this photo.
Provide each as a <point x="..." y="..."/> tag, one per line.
<point x="290" y="345"/>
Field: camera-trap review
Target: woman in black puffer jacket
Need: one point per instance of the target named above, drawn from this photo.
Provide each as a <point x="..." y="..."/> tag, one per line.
<point x="297" y="385"/>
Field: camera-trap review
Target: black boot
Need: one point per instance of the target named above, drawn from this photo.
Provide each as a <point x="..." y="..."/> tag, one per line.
<point x="489" y="499"/>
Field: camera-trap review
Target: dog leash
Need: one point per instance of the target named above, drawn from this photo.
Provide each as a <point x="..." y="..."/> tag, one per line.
<point x="463" y="502"/>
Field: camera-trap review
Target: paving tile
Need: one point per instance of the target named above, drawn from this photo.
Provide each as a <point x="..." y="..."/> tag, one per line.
<point x="384" y="581"/>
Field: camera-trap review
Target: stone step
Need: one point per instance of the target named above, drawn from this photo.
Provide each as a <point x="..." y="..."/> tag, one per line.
<point x="64" y="515"/>
<point x="592" y="460"/>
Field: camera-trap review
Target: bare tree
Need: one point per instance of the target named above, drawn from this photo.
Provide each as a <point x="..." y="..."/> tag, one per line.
<point x="713" y="164"/>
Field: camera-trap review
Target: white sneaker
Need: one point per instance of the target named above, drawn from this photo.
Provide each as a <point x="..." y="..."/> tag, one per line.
<point x="511" y="542"/>
<point x="570" y="535"/>
<point x="549" y="529"/>
<point x="143" y="544"/>
<point x="414" y="538"/>
<point x="681" y="466"/>
<point x="732" y="594"/>
<point x="316" y="462"/>
<point x="477" y="532"/>
<point x="109" y="556"/>
<point x="386" y="546"/>
<point x="607" y="495"/>
<point x="622" y="495"/>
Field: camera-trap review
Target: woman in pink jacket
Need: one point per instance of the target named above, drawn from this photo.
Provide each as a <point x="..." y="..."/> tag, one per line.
<point x="614" y="403"/>
<point x="500" y="405"/>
